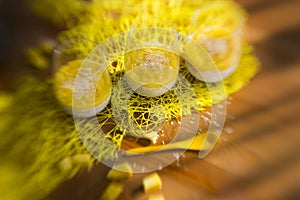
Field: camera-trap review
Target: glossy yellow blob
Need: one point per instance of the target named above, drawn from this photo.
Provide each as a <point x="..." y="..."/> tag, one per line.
<point x="151" y="71"/>
<point x="218" y="27"/>
<point x="64" y="82"/>
<point x="120" y="172"/>
<point x="152" y="183"/>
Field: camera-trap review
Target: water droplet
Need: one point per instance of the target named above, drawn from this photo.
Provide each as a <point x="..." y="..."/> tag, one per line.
<point x="220" y="112"/>
<point x="220" y="106"/>
<point x="208" y="113"/>
<point x="176" y="155"/>
<point x="185" y="168"/>
<point x="216" y="123"/>
<point x="224" y="139"/>
<point x="205" y="118"/>
<point x="228" y="130"/>
<point x="160" y="167"/>
<point x="228" y="102"/>
<point x="192" y="122"/>
<point x="231" y="117"/>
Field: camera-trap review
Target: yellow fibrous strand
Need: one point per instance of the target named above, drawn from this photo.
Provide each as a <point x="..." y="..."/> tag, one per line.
<point x="39" y="142"/>
<point x="38" y="56"/>
<point x="121" y="17"/>
<point x="39" y="146"/>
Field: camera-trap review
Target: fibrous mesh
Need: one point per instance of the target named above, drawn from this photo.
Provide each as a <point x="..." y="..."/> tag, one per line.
<point x="39" y="145"/>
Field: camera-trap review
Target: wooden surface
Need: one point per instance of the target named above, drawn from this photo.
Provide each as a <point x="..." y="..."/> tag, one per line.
<point x="260" y="159"/>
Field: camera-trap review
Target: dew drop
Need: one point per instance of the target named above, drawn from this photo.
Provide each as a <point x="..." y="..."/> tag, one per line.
<point x="176" y="155"/>
<point x="160" y="167"/>
<point x="205" y="118"/>
<point x="216" y="123"/>
<point x="224" y="139"/>
<point x="231" y="117"/>
<point x="185" y="169"/>
<point x="228" y="102"/>
<point x="228" y="130"/>
<point x="192" y="120"/>
<point x="143" y="169"/>
<point x="220" y="112"/>
<point x="220" y="106"/>
<point x="208" y="113"/>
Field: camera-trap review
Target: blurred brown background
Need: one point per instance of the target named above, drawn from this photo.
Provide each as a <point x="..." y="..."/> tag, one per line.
<point x="259" y="160"/>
